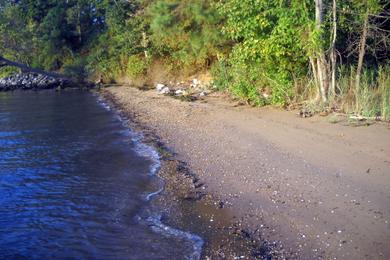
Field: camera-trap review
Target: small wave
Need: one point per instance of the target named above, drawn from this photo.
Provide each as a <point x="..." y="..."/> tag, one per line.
<point x="152" y="194"/>
<point x="140" y="148"/>
<point x="103" y="103"/>
<point x="154" y="221"/>
<point x="156" y="225"/>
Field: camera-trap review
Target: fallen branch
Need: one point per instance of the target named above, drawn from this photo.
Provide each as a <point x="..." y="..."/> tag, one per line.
<point x="25" y="68"/>
<point x="362" y="118"/>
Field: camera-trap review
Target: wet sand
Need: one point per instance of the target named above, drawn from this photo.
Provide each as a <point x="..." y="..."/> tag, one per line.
<point x="307" y="187"/>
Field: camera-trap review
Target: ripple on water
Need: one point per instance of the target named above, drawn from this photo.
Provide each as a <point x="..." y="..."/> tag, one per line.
<point x="73" y="179"/>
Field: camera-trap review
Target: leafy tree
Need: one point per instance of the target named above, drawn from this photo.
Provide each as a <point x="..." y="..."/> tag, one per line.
<point x="16" y="36"/>
<point x="187" y="31"/>
<point x="122" y="38"/>
<point x="269" y="45"/>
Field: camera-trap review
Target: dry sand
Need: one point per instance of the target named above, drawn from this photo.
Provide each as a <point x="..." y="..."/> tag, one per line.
<point x="318" y="189"/>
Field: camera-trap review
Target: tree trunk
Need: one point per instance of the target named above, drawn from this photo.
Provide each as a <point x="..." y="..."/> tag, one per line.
<point x="362" y="52"/>
<point x="313" y="64"/>
<point x="144" y="44"/>
<point x="323" y="77"/>
<point x="333" y="53"/>
<point x="322" y="69"/>
<point x="78" y="27"/>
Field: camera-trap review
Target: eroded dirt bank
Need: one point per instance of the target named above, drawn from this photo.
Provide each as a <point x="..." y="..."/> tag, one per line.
<point x="319" y="189"/>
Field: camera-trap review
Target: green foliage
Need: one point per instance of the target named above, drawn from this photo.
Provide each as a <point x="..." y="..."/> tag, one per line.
<point x="188" y="32"/>
<point x="109" y="52"/>
<point x="7" y="71"/>
<point x="76" y="70"/>
<point x="221" y="74"/>
<point x="137" y="66"/>
<point x="367" y="98"/>
<point x="47" y="34"/>
<point x="16" y="36"/>
<point x="373" y="96"/>
<point x="258" y="50"/>
<point x="384" y="91"/>
<point x="270" y="48"/>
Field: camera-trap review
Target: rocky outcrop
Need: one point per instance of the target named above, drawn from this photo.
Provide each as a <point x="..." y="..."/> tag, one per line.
<point x="32" y="81"/>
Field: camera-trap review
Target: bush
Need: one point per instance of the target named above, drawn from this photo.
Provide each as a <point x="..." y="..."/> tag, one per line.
<point x="221" y="76"/>
<point x="269" y="52"/>
<point x="136" y="66"/>
<point x="76" y="70"/>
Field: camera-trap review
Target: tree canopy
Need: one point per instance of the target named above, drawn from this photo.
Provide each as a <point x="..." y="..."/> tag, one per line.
<point x="263" y="51"/>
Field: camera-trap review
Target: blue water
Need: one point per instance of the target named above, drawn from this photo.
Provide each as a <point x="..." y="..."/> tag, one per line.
<point x="74" y="183"/>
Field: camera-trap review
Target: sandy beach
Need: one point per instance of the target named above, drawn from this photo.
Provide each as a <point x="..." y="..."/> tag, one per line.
<point x="313" y="188"/>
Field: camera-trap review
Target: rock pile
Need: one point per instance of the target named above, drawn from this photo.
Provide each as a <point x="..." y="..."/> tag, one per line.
<point x="32" y="81"/>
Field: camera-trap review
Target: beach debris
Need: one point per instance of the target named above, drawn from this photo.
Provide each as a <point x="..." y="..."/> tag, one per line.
<point x="159" y="87"/>
<point x="203" y="94"/>
<point x="165" y="90"/>
<point x="324" y="113"/>
<point x="305" y="113"/>
<point x="184" y="91"/>
<point x="195" y="83"/>
<point x="162" y="89"/>
<point x="180" y="92"/>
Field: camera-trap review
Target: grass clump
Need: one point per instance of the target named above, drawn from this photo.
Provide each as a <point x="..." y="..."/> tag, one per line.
<point x="371" y="99"/>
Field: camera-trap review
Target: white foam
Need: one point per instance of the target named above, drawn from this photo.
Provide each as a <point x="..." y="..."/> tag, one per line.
<point x="152" y="194"/>
<point x="103" y="103"/>
<point x="197" y="242"/>
<point x="146" y="151"/>
<point x="155" y="222"/>
<point x="140" y="148"/>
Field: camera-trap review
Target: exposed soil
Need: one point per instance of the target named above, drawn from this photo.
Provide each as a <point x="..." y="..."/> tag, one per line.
<point x="313" y="188"/>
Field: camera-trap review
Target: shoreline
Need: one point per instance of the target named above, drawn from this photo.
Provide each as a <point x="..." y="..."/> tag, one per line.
<point x="188" y="206"/>
<point x="311" y="188"/>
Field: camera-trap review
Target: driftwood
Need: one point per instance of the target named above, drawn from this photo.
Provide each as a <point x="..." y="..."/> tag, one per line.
<point x="33" y="78"/>
<point x="363" y="118"/>
<point x="25" y="68"/>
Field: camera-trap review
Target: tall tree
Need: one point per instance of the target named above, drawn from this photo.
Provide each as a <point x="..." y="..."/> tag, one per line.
<point x="321" y="61"/>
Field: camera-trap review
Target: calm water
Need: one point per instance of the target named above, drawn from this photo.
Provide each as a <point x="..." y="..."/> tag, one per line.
<point x="74" y="183"/>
